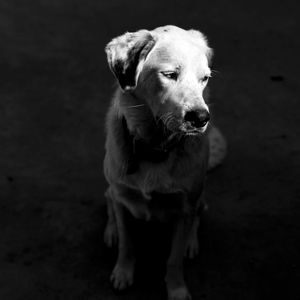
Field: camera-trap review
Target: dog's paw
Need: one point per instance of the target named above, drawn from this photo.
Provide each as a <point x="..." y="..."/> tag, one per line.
<point x="111" y="235"/>
<point x="192" y="247"/>
<point x="122" y="277"/>
<point x="180" y="293"/>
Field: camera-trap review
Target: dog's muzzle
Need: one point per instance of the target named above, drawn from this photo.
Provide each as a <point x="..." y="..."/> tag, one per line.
<point x="196" y="120"/>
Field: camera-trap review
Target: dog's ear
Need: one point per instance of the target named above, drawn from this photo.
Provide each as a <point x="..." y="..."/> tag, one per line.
<point x="126" y="55"/>
<point x="201" y="38"/>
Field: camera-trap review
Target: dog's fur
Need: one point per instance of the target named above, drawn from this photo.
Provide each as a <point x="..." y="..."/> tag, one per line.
<point x="156" y="161"/>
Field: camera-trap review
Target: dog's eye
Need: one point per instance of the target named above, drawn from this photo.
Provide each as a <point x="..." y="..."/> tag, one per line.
<point x="205" y="78"/>
<point x="170" y="74"/>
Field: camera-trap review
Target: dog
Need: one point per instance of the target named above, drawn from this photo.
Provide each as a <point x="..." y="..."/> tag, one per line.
<point x="159" y="144"/>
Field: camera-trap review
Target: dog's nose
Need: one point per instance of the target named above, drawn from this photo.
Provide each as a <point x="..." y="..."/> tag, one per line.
<point x="197" y="118"/>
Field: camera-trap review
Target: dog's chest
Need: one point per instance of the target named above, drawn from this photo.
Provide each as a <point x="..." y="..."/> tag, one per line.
<point x="164" y="187"/>
<point x="177" y="174"/>
<point x="163" y="192"/>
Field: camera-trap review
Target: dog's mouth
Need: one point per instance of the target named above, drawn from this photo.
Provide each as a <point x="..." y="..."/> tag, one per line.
<point x="178" y="127"/>
<point x="188" y="129"/>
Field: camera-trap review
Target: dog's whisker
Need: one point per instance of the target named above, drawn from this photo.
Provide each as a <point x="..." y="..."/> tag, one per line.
<point x="172" y="135"/>
<point x="160" y="118"/>
<point x="164" y="117"/>
<point x="167" y="122"/>
<point x="134" y="106"/>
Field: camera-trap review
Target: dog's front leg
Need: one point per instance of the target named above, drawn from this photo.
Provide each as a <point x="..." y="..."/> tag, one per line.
<point x="192" y="244"/>
<point x="176" y="286"/>
<point x="123" y="272"/>
<point x="111" y="231"/>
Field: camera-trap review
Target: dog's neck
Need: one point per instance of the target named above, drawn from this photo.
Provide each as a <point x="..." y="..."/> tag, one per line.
<point x="155" y="149"/>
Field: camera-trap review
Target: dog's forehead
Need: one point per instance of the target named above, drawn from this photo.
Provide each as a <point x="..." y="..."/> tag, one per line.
<point x="177" y="46"/>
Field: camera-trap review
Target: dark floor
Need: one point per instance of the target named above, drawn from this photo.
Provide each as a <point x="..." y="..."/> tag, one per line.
<point x="54" y="90"/>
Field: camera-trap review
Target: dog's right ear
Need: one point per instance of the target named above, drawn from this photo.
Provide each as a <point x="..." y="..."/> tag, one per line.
<point x="126" y="55"/>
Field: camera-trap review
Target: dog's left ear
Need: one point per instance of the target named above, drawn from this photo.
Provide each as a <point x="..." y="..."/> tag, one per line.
<point x="126" y="55"/>
<point x="201" y="38"/>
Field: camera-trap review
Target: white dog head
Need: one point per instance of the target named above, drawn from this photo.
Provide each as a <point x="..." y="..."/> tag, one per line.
<point x="168" y="69"/>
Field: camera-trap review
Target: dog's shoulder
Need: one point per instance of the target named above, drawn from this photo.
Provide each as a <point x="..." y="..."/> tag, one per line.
<point x="116" y="144"/>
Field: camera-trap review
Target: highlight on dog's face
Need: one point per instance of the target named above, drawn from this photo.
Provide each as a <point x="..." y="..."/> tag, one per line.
<point x="168" y="70"/>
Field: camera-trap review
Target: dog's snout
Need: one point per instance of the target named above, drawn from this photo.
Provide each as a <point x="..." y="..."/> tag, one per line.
<point x="197" y="118"/>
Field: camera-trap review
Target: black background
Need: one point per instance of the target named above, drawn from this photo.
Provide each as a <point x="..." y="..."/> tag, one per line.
<point x="55" y="87"/>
